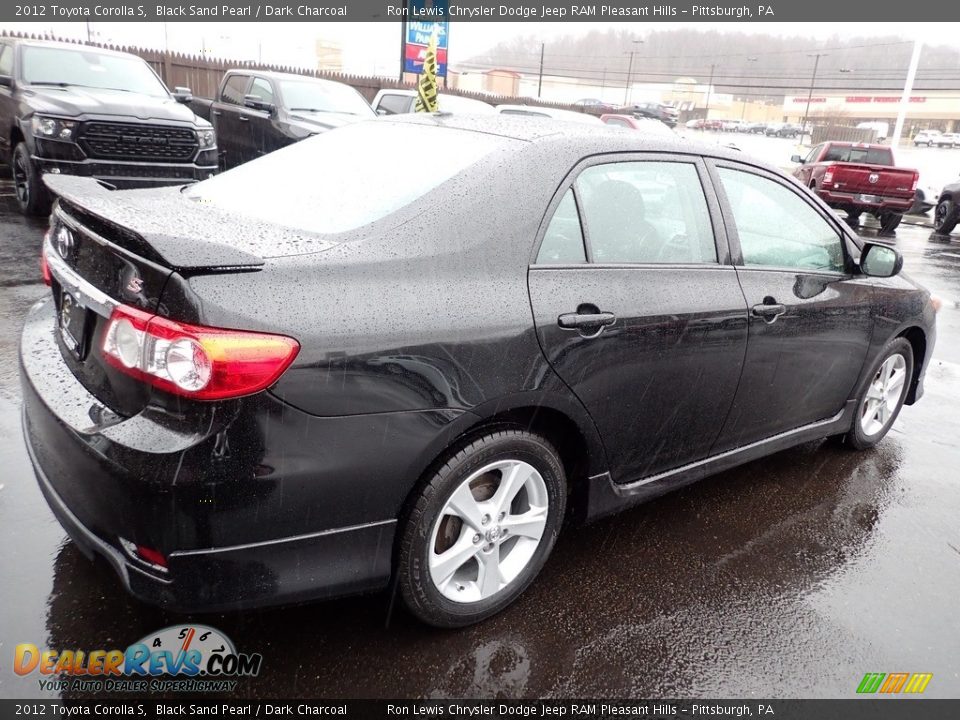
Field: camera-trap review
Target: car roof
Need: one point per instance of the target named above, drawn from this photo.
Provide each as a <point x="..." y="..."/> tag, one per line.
<point x="274" y="75"/>
<point x="592" y="138"/>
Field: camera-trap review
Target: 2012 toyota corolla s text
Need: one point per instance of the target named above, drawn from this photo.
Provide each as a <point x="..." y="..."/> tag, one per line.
<point x="408" y="348"/>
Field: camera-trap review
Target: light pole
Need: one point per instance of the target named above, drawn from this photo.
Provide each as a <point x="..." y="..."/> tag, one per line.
<point x="813" y="80"/>
<point x="540" y="81"/>
<point x="627" y="88"/>
<point x="706" y="112"/>
<point x="743" y="109"/>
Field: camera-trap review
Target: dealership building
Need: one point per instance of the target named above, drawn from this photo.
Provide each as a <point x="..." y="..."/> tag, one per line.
<point x="932" y="109"/>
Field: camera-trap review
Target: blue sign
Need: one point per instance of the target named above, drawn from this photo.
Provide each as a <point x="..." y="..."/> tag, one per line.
<point x="419" y="28"/>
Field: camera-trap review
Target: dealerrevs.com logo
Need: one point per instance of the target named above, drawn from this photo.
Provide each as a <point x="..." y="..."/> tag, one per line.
<point x="180" y="658"/>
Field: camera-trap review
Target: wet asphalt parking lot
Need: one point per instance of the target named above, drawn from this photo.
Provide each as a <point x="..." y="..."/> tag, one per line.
<point x="791" y="576"/>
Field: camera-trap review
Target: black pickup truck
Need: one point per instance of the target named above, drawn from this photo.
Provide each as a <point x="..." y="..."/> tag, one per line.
<point x="79" y="110"/>
<point x="256" y="112"/>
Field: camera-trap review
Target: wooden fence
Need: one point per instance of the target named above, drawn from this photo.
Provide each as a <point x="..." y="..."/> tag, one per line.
<point x="202" y="75"/>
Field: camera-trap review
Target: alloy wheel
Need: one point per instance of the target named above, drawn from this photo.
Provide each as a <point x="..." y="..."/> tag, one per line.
<point x="883" y="395"/>
<point x="488" y="531"/>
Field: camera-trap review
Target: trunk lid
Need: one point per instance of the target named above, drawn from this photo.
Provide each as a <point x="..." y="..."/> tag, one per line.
<point x="103" y="250"/>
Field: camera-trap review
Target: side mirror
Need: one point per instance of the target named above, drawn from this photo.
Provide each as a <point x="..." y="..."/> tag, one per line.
<point x="258" y="103"/>
<point x="880" y="260"/>
<point x="182" y="95"/>
<point x="381" y="111"/>
<point x="796" y="159"/>
<point x="6" y="81"/>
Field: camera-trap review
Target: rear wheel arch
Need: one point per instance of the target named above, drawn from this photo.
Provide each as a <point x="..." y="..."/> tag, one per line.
<point x="579" y="448"/>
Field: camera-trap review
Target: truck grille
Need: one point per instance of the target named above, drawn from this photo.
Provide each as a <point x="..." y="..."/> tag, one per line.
<point x="128" y="141"/>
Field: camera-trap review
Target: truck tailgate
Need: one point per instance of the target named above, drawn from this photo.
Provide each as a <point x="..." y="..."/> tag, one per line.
<point x="876" y="180"/>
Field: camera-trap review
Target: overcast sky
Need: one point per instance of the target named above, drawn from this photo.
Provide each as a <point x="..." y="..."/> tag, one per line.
<point x="374" y="48"/>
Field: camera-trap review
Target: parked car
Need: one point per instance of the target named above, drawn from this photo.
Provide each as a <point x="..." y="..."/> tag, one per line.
<point x="757" y="128"/>
<point x="292" y="381"/>
<point x="924" y="198"/>
<point x="950" y="140"/>
<point x="658" y="111"/>
<point x="596" y="106"/>
<point x="780" y="129"/>
<point x="546" y="112"/>
<point x="947" y="215"/>
<point x="643" y="124"/>
<point x="78" y="110"/>
<point x="256" y="112"/>
<point x="926" y="137"/>
<point x="858" y="178"/>
<point x="399" y="102"/>
<point x="695" y="124"/>
<point x="731" y="125"/>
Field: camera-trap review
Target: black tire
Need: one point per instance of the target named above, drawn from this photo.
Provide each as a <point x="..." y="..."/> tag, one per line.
<point x="889" y="222"/>
<point x="32" y="196"/>
<point x="856" y="437"/>
<point x="853" y="218"/>
<point x="421" y="595"/>
<point x="945" y="218"/>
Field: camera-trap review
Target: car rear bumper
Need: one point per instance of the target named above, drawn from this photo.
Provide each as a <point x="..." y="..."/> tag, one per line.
<point x="844" y="200"/>
<point x="287" y="570"/>
<point x="125" y="174"/>
<point x="271" y="506"/>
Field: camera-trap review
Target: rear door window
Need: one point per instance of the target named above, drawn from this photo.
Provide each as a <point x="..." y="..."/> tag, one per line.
<point x="563" y="241"/>
<point x="234" y="89"/>
<point x="6" y="60"/>
<point x="646" y="212"/>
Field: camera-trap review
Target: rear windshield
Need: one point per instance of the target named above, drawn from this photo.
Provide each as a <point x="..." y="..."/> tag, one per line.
<point x="866" y="156"/>
<point x="90" y="69"/>
<point x="345" y="178"/>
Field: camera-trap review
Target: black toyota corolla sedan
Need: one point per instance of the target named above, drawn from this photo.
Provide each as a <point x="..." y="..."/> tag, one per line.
<point x="407" y="349"/>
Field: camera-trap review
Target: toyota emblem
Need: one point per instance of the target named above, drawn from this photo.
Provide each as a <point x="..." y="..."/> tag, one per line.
<point x="64" y="241"/>
<point x="874" y="177"/>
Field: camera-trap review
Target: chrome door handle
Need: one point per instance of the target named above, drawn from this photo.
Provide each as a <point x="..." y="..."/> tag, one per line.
<point x="769" y="312"/>
<point x="574" y="321"/>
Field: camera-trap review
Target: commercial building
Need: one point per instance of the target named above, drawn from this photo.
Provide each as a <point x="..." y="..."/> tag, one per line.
<point x="932" y="109"/>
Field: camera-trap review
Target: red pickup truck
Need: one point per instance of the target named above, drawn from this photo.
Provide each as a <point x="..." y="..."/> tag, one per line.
<point x="858" y="178"/>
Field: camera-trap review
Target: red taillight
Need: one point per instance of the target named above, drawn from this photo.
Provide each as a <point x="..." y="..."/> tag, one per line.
<point x="828" y="174"/>
<point x="197" y="362"/>
<point x="44" y="266"/>
<point x="154" y="557"/>
<point x="916" y="179"/>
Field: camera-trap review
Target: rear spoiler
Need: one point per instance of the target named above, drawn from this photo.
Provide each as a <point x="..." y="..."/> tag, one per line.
<point x="178" y="238"/>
